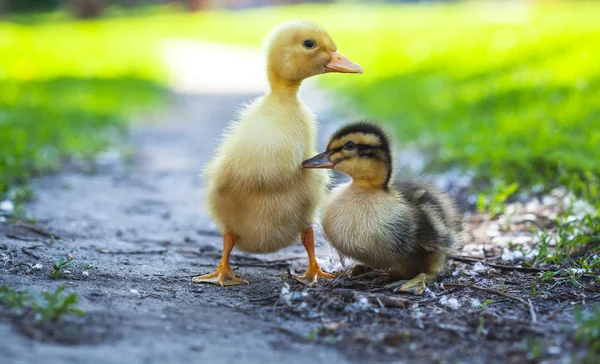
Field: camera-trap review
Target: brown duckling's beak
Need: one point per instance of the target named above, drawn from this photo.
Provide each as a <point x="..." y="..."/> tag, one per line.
<point x="318" y="161"/>
<point x="341" y="64"/>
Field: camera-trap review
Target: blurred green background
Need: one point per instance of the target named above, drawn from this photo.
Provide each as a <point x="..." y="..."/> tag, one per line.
<point x="510" y="90"/>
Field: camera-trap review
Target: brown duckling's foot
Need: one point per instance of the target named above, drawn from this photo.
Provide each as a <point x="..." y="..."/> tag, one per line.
<point x="360" y="269"/>
<point x="312" y="274"/>
<point x="222" y="276"/>
<point x="416" y="286"/>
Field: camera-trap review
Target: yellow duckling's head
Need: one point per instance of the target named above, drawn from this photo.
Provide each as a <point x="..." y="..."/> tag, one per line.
<point x="362" y="151"/>
<point x="300" y="49"/>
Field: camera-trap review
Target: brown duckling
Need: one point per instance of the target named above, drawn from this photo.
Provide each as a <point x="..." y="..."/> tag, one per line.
<point x="408" y="226"/>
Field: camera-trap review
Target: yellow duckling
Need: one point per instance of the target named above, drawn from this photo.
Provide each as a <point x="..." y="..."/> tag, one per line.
<point x="409" y="226"/>
<point x="257" y="191"/>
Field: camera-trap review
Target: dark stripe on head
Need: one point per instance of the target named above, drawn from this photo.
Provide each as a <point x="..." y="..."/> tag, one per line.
<point x="367" y="128"/>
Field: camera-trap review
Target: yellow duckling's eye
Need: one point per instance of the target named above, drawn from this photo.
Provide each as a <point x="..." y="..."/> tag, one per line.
<point x="309" y="44"/>
<point x="349" y="145"/>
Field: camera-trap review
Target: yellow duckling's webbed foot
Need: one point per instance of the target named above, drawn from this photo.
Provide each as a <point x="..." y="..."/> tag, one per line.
<point x="313" y="272"/>
<point x="416" y="286"/>
<point x="223" y="275"/>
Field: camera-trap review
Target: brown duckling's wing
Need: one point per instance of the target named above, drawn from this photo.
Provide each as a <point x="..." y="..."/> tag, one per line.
<point x="437" y="219"/>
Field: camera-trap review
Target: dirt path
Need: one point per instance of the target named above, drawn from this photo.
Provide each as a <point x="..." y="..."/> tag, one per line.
<point x="142" y="226"/>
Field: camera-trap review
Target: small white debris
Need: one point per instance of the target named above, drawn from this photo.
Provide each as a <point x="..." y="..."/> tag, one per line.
<point x="518" y="255"/>
<point x="438" y="310"/>
<point x="286" y="295"/>
<point x="479" y="267"/>
<point x="539" y="187"/>
<point x="428" y="293"/>
<point x="134" y="291"/>
<point x="36" y="266"/>
<point x="7" y="206"/>
<point x="85" y="274"/>
<point x="66" y="272"/>
<point x="2" y="219"/>
<point x="361" y="304"/>
<point x="363" y="301"/>
<point x="451" y="303"/>
<point x="70" y="257"/>
<point x="553" y="350"/>
<point x="457" y="272"/>
<point x="576" y="271"/>
<point x="475" y="302"/>
<point x="532" y="206"/>
<point x="510" y="256"/>
<point x="493" y="230"/>
<point x="581" y="208"/>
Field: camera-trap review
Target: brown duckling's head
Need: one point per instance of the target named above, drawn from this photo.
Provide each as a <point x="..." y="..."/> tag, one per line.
<point x="362" y="151"/>
<point x="299" y="49"/>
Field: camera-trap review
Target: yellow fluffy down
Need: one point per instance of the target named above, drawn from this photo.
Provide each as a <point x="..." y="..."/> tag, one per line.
<point x="256" y="187"/>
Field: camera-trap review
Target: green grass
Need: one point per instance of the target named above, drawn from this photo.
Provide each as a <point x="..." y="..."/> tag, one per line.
<point x="58" y="268"/>
<point x="67" y="91"/>
<point x="45" y="308"/>
<point x="588" y="331"/>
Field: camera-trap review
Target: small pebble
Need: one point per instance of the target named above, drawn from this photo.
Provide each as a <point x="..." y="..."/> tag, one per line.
<point x="576" y="271"/>
<point x="479" y="267"/>
<point x="134" y="291"/>
<point x="85" y="274"/>
<point x="553" y="350"/>
<point x="70" y="257"/>
<point x="510" y="256"/>
<point x="7" y="206"/>
<point x="451" y="303"/>
<point x="36" y="266"/>
<point x="475" y="302"/>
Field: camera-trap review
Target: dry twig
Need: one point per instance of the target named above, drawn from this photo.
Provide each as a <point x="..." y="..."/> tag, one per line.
<point x="25" y="250"/>
<point x="499" y="266"/>
<point x="38" y="230"/>
<point x="532" y="311"/>
<point x="155" y="251"/>
<point x="18" y="237"/>
<point x="382" y="300"/>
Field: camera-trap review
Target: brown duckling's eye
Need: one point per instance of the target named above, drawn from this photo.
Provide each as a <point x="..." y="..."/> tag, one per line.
<point x="349" y="145"/>
<point x="309" y="44"/>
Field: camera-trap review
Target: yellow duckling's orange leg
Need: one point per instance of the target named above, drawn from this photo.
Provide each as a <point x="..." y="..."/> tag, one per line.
<point x="223" y="275"/>
<point x="313" y="272"/>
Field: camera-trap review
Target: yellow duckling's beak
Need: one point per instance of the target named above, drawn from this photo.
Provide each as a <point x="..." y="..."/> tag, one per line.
<point x="341" y="64"/>
<point x="319" y="161"/>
